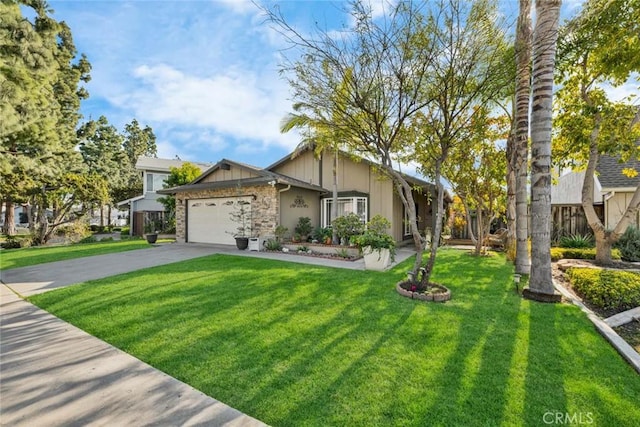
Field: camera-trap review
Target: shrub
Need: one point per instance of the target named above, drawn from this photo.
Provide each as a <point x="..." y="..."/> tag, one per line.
<point x="272" y="245"/>
<point x="577" y="241"/>
<point x="629" y="244"/>
<point x="76" y="231"/>
<point x="571" y="253"/>
<point x="124" y="232"/>
<point x="376" y="236"/>
<point x="12" y="242"/>
<point x="342" y="253"/>
<point x="607" y="288"/>
<point x="304" y="227"/>
<point x="280" y="232"/>
<point x="348" y="225"/>
<point x="88" y="239"/>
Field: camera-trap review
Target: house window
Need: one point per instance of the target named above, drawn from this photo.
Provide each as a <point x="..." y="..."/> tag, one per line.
<point x="155" y="181"/>
<point x="346" y="205"/>
<point x="406" y="223"/>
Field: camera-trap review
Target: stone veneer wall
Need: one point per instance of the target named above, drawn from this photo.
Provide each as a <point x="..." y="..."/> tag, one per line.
<point x="264" y="209"/>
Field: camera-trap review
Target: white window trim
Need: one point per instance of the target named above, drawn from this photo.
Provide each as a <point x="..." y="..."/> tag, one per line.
<point x="354" y="200"/>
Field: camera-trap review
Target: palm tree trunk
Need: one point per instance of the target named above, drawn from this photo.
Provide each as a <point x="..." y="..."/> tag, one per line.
<point x="521" y="119"/>
<point x="544" y="52"/>
<point x="334" y="200"/>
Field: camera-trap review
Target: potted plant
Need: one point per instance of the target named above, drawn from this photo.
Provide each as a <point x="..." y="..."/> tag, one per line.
<point x="241" y="215"/>
<point x="377" y="246"/>
<point x="151" y="229"/>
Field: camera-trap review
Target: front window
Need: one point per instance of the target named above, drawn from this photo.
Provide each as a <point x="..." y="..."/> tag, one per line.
<point x="407" y="223"/>
<point x="346" y="205"/>
<point x="155" y="181"/>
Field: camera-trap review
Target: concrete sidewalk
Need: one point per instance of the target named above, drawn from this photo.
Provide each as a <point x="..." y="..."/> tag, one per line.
<point x="54" y="374"/>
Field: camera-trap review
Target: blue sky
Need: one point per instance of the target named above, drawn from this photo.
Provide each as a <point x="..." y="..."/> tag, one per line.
<point x="203" y="74"/>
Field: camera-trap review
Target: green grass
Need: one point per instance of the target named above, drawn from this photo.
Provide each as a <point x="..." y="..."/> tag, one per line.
<point x="14" y="258"/>
<point x="298" y="345"/>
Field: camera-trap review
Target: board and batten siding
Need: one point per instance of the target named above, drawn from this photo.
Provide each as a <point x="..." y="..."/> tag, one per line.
<point x="304" y="167"/>
<point x="615" y="208"/>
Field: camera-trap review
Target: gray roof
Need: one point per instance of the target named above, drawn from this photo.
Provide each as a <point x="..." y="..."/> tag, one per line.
<point x="165" y="165"/>
<point x="610" y="172"/>
<point x="264" y="177"/>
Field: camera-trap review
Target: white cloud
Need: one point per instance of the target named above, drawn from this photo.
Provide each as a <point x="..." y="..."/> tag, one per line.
<point x="237" y="103"/>
<point x="624" y="91"/>
<point x="239" y="6"/>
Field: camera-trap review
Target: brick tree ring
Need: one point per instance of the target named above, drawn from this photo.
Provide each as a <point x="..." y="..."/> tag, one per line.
<point x="433" y="292"/>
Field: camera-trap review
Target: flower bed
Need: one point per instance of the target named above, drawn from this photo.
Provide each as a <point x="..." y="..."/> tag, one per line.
<point x="433" y="292"/>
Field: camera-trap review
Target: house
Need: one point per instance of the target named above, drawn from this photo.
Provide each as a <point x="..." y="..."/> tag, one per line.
<point x="612" y="194"/>
<point x="295" y="186"/>
<point x="154" y="173"/>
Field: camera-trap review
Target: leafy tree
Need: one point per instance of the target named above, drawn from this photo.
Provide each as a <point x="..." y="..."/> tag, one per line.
<point x="68" y="200"/>
<point x="27" y="72"/>
<point x="466" y="77"/>
<point x="544" y="52"/>
<point x="376" y="85"/>
<point x="363" y="87"/>
<point x="137" y="142"/>
<point x="476" y="171"/>
<point x="182" y="175"/>
<point x="44" y="95"/>
<point x="101" y="147"/>
<point x="598" y="46"/>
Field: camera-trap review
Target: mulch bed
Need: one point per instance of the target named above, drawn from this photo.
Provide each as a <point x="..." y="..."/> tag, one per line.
<point x="630" y="332"/>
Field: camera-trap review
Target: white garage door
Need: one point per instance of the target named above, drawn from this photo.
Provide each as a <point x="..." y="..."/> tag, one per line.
<point x="209" y="220"/>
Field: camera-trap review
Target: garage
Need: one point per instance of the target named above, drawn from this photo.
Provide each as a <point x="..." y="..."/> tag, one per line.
<point x="209" y="220"/>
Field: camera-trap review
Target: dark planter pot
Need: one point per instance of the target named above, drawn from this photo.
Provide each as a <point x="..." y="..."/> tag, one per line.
<point x="151" y="238"/>
<point x="242" y="243"/>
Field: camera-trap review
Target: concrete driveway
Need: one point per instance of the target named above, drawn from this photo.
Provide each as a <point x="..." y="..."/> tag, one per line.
<point x="54" y="374"/>
<point x="45" y="277"/>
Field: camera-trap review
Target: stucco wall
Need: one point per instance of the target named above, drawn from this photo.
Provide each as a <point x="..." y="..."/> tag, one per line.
<point x="298" y="202"/>
<point x="265" y="208"/>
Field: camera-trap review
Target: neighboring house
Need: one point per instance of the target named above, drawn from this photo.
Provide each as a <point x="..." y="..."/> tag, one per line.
<point x="293" y="187"/>
<point x="612" y="193"/>
<point x="154" y="172"/>
<point x="19" y="215"/>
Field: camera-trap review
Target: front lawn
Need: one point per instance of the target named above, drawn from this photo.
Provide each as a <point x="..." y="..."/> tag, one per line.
<point x="299" y="345"/>
<point x="14" y="258"/>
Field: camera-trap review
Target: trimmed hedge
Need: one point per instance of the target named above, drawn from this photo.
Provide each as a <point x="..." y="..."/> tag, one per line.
<point x="607" y="288"/>
<point x="575" y="253"/>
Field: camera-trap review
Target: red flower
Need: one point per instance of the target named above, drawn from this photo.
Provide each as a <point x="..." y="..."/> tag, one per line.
<point x="414" y="288"/>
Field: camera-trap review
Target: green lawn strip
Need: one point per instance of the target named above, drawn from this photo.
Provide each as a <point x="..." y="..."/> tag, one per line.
<point x="301" y="345"/>
<point x="15" y="258"/>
